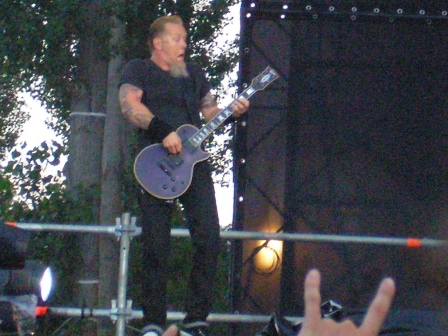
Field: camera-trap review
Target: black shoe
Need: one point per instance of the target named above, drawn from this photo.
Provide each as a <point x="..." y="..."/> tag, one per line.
<point x="151" y="330"/>
<point x="195" y="329"/>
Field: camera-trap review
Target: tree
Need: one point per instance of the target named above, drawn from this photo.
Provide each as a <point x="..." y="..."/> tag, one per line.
<point x="68" y="54"/>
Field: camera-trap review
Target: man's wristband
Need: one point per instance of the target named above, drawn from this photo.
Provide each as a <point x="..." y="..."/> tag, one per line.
<point x="158" y="129"/>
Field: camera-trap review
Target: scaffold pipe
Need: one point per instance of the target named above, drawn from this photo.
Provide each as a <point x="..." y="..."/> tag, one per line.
<point x="245" y="235"/>
<point x="322" y="238"/>
<point x="172" y="316"/>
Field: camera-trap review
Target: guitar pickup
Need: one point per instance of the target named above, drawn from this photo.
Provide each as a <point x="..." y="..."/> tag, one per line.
<point x="176" y="160"/>
<point x="164" y="168"/>
<point x="171" y="162"/>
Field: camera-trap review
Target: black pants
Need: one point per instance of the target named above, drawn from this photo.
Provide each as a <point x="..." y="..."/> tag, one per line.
<point x="202" y="216"/>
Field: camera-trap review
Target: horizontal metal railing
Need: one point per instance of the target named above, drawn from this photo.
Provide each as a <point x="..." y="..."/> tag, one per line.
<point x="172" y="316"/>
<point x="244" y="235"/>
<point x="125" y="229"/>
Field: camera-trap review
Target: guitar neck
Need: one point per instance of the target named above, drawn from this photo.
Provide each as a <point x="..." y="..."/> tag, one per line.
<point x="217" y="121"/>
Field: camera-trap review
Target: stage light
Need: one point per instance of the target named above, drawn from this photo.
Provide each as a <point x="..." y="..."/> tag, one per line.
<point x="34" y="278"/>
<point x="19" y="276"/>
<point x="23" y="283"/>
<point x="268" y="256"/>
<point x="46" y="284"/>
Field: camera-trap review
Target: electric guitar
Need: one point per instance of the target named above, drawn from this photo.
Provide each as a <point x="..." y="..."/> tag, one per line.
<point x="168" y="176"/>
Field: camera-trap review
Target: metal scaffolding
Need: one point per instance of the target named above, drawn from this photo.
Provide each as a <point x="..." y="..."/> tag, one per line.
<point x="125" y="228"/>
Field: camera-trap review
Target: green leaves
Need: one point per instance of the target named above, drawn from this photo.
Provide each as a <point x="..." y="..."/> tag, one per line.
<point x="26" y="172"/>
<point x="45" y="49"/>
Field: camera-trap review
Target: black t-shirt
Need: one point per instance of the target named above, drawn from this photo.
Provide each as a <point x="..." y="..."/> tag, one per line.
<point x="174" y="100"/>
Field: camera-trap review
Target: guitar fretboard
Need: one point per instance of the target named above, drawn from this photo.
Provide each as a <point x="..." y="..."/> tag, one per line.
<point x="213" y="124"/>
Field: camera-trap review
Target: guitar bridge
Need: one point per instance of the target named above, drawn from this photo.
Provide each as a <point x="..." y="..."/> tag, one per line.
<point x="170" y="163"/>
<point x="164" y="168"/>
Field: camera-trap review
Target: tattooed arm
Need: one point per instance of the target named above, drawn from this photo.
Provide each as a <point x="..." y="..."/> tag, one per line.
<point x="209" y="107"/>
<point x="132" y="107"/>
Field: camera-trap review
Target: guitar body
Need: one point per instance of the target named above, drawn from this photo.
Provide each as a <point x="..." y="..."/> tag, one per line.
<point x="168" y="176"/>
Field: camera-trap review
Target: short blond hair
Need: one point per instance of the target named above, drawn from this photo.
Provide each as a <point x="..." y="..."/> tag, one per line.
<point x="158" y="27"/>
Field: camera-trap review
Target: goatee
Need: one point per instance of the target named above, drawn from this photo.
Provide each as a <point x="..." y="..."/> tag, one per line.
<point x="179" y="70"/>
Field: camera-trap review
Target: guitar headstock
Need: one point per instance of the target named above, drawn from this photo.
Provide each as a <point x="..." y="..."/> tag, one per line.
<point x="264" y="79"/>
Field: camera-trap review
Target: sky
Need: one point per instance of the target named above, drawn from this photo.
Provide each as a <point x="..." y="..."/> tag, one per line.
<point x="34" y="130"/>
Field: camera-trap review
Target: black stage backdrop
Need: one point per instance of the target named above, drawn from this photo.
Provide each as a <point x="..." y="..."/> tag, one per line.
<point x="351" y="140"/>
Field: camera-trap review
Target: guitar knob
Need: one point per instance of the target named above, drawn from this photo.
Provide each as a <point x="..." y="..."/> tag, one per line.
<point x="174" y="189"/>
<point x="173" y="179"/>
<point x="165" y="186"/>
